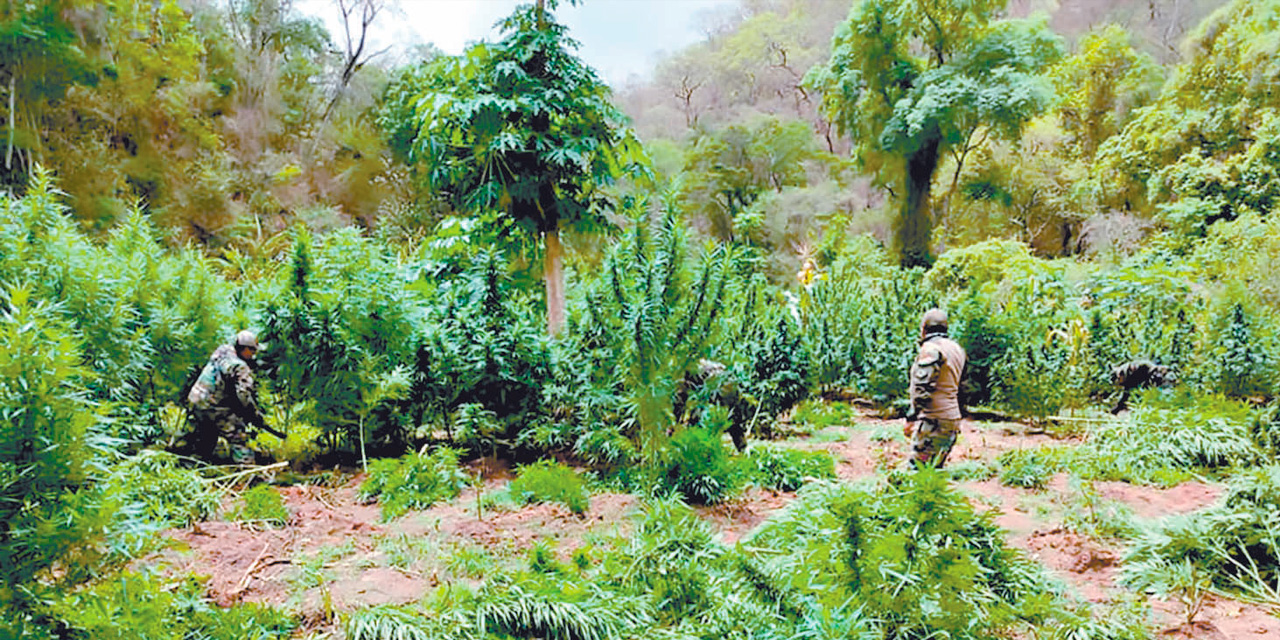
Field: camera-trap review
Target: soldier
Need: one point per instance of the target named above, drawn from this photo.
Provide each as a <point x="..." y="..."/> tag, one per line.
<point x="714" y="384"/>
<point x="933" y="422"/>
<point x="224" y="401"/>
<point x="1138" y="374"/>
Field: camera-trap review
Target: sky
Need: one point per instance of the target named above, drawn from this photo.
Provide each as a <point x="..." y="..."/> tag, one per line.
<point x="619" y="38"/>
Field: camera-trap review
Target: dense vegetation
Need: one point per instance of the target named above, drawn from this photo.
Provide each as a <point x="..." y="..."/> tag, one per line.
<point x="179" y="170"/>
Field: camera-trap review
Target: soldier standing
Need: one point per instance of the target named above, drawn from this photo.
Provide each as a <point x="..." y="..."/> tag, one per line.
<point x="224" y="400"/>
<point x="934" y="418"/>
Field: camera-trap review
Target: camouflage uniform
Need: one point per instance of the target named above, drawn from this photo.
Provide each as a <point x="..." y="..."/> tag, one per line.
<point x="224" y="404"/>
<point x="1138" y="374"/>
<point x="935" y="391"/>
<point x="712" y="383"/>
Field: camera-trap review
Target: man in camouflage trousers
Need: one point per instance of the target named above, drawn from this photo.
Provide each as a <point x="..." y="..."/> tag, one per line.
<point x="224" y="400"/>
<point x="933" y="422"/>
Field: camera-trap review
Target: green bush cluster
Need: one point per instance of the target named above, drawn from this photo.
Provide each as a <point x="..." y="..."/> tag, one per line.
<point x="697" y="466"/>
<point x="546" y="481"/>
<point x="1234" y="544"/>
<point x="165" y="493"/>
<point x="263" y="505"/>
<point x="141" y="605"/>
<point x="787" y="469"/>
<point x="414" y="481"/>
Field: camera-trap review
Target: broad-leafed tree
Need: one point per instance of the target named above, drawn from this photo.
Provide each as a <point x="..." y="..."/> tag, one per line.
<point x="911" y="80"/>
<point x="524" y="127"/>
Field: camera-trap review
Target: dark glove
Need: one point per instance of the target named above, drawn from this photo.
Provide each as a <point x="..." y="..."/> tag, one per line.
<point x="262" y="424"/>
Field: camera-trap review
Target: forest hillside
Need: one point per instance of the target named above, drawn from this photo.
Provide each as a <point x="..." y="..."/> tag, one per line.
<point x="530" y="356"/>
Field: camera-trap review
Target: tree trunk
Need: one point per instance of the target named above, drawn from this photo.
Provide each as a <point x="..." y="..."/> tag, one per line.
<point x="553" y="276"/>
<point x="914" y="231"/>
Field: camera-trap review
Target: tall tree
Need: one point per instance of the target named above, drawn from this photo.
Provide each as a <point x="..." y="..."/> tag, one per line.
<point x="524" y="127"/>
<point x="910" y="80"/>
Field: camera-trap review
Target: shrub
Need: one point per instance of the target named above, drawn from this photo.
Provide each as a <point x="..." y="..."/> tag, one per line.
<point x="1024" y="468"/>
<point x="788" y="469"/>
<point x="414" y="481"/>
<point x="263" y="504"/>
<point x="816" y="415"/>
<point x="136" y="605"/>
<point x="1171" y="433"/>
<point x="164" y="493"/>
<point x="1236" y="544"/>
<point x="545" y="481"/>
<point x="697" y="466"/>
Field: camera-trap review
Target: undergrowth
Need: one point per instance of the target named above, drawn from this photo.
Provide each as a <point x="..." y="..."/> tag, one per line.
<point x="545" y="481"/>
<point x="414" y="481"/>
<point x="785" y="469"/>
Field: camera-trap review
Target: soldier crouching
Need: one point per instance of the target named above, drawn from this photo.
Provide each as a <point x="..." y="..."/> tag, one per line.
<point x="224" y="401"/>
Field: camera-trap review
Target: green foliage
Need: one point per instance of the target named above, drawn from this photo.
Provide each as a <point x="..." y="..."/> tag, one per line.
<point x="1024" y="468"/>
<point x="1235" y="545"/>
<point x="415" y="481"/>
<point x="545" y="481"/>
<point x="339" y="336"/>
<point x="912" y="552"/>
<point x="726" y="171"/>
<point x="667" y="559"/>
<point x="152" y="483"/>
<point x="1087" y="512"/>
<point x="1242" y="359"/>
<point x="1101" y="84"/>
<point x="384" y="622"/>
<point x="696" y="465"/>
<point x="644" y="324"/>
<point x="786" y="469"/>
<point x="482" y="347"/>
<point x="779" y="368"/>
<point x="44" y="440"/>
<point x="139" y="605"/>
<point x="1205" y="149"/>
<point x="1175" y="431"/>
<point x="924" y="562"/>
<point x="909" y="81"/>
<point x="263" y="505"/>
<point x="521" y="125"/>
<point x="560" y="609"/>
<point x="816" y="415"/>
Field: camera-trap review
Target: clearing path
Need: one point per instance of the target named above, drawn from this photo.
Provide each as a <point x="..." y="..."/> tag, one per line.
<point x="335" y="553"/>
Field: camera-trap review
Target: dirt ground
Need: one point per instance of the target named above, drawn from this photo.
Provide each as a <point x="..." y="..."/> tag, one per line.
<point x="336" y="554"/>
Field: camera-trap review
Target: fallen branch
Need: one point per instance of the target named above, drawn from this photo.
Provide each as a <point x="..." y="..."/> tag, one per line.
<point x="244" y="582"/>
<point x="246" y="472"/>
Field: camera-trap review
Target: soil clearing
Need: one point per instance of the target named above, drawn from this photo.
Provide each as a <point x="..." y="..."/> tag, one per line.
<point x="336" y="554"/>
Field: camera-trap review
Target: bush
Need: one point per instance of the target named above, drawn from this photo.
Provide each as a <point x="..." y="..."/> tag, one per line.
<point x="1174" y="431"/>
<point x="163" y="492"/>
<point x="697" y="466"/>
<point x="911" y="551"/>
<point x="415" y="481"/>
<point x="545" y="481"/>
<point x="1024" y="468"/>
<point x="137" y="605"/>
<point x="1236" y="544"/>
<point x="788" y="469"/>
<point x="263" y="505"/>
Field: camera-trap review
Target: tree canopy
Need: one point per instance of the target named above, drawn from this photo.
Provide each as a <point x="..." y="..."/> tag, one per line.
<point x="523" y="126"/>
<point x="909" y="81"/>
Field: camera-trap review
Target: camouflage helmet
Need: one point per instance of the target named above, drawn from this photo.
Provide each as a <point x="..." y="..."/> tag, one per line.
<point x="933" y="321"/>
<point x="246" y="338"/>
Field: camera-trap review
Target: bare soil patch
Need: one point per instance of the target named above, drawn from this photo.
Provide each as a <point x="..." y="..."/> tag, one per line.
<point x="335" y="553"/>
